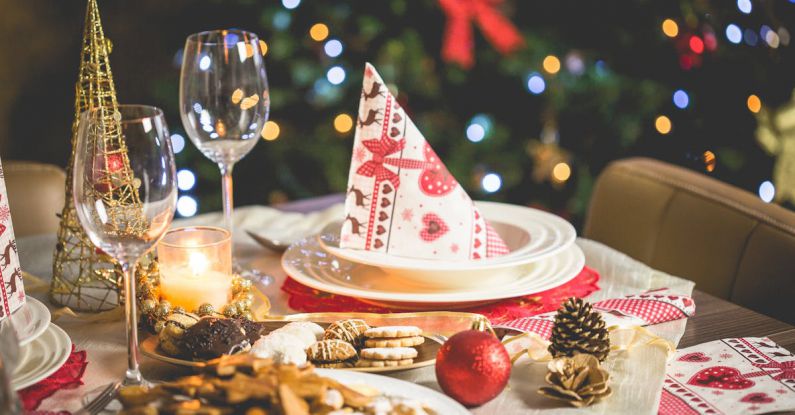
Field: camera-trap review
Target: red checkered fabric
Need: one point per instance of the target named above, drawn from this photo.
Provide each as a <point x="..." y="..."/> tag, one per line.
<point x="495" y="246"/>
<point x="672" y="405"/>
<point x="540" y="324"/>
<point x="651" y="308"/>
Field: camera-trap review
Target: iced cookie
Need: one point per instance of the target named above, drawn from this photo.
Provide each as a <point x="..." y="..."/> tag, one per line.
<point x="330" y="351"/>
<point x="282" y="347"/>
<point x="351" y="331"/>
<point x="388" y="353"/>
<point x="395" y="342"/>
<point x="383" y="363"/>
<point x="392" y="332"/>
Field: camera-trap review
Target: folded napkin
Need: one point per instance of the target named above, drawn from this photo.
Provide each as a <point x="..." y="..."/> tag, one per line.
<point x="12" y="292"/>
<point x="401" y="199"/>
<point x="647" y="308"/>
<point x="730" y="376"/>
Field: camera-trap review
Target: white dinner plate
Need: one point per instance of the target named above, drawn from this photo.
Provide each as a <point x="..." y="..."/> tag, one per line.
<point x="530" y="234"/>
<point x="436" y="401"/>
<point x="30" y="320"/>
<point x="41" y="357"/>
<point x="309" y="264"/>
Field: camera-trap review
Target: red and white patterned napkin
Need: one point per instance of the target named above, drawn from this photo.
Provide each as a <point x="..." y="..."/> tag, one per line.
<point x="647" y="308"/>
<point x="731" y="376"/>
<point x="12" y="293"/>
<point x="401" y="198"/>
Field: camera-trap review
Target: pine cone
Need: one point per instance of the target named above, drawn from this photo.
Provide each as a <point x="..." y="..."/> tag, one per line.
<point x="579" y="381"/>
<point x="578" y="329"/>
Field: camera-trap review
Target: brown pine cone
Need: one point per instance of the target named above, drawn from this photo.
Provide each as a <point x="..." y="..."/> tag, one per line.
<point x="578" y="329"/>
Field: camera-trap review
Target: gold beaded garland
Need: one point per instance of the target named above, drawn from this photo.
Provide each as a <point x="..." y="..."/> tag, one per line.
<point x="206" y="309"/>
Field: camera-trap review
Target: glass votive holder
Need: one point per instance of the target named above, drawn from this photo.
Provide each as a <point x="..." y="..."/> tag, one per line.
<point x="196" y="267"/>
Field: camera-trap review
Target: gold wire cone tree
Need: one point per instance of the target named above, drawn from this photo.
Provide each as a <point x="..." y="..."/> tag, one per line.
<point x="84" y="277"/>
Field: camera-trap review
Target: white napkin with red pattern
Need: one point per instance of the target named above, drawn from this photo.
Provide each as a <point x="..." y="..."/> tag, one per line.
<point x="401" y="198"/>
<point x="12" y="292"/>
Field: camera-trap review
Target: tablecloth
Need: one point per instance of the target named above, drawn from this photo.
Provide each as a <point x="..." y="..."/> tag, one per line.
<point x="620" y="275"/>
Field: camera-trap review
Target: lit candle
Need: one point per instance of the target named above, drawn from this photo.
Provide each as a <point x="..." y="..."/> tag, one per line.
<point x="196" y="267"/>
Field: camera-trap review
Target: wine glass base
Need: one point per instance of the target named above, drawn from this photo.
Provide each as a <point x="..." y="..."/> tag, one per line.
<point x="252" y="274"/>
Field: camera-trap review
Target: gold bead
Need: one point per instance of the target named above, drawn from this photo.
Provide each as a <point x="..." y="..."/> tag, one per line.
<point x="206" y="309"/>
<point x="160" y="325"/>
<point x="247" y="315"/>
<point x="244" y="284"/>
<point x="164" y="308"/>
<point x="230" y="310"/>
<point x="148" y="306"/>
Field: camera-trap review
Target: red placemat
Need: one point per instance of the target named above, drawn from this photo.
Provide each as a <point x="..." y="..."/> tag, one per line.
<point x="310" y="300"/>
<point x="69" y="376"/>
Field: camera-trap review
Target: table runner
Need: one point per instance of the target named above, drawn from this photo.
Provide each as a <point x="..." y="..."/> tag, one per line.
<point x="620" y="275"/>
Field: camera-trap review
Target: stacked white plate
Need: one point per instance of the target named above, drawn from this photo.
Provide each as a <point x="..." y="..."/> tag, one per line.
<point x="43" y="346"/>
<point x="543" y="256"/>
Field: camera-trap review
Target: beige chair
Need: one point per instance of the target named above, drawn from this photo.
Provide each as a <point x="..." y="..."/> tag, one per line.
<point x="35" y="195"/>
<point x="727" y="240"/>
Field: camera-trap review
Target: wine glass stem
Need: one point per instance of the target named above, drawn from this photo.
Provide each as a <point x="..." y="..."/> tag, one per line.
<point x="226" y="192"/>
<point x="133" y="375"/>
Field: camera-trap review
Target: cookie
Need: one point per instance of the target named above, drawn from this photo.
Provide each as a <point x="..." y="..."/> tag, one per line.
<point x="282" y="347"/>
<point x="330" y="351"/>
<point x="392" y="332"/>
<point x="383" y="363"/>
<point x="395" y="342"/>
<point x="388" y="353"/>
<point x="310" y="326"/>
<point x="305" y="335"/>
<point x="334" y="365"/>
<point x="351" y="331"/>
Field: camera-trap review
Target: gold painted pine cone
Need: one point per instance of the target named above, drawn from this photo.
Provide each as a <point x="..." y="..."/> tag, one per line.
<point x="579" y="329"/>
<point x="579" y="381"/>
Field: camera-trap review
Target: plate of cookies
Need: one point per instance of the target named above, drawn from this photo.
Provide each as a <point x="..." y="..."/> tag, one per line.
<point x="245" y="384"/>
<point x="352" y="344"/>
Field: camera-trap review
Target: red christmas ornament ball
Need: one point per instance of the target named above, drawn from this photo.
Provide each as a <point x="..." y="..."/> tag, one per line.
<point x="473" y="367"/>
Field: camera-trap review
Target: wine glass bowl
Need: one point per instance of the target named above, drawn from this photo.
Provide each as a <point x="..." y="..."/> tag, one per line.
<point x="125" y="193"/>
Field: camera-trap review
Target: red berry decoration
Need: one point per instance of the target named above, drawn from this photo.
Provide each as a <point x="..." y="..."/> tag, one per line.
<point x="473" y="367"/>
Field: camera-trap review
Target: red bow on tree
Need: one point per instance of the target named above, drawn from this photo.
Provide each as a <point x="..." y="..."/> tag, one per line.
<point x="376" y="167"/>
<point x="458" y="37"/>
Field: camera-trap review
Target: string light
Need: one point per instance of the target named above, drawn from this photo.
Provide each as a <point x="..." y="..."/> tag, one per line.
<point x="561" y="172"/>
<point x="734" y="34"/>
<point x="185" y="179"/>
<point x="491" y="182"/>
<point x="318" y="32"/>
<point x="333" y="48"/>
<point x="343" y="123"/>
<point x="767" y="191"/>
<point x="551" y="64"/>
<point x="745" y="6"/>
<point x="535" y="83"/>
<point x="681" y="99"/>
<point x="336" y="75"/>
<point x="187" y="206"/>
<point x="696" y="44"/>
<point x="670" y="28"/>
<point x="263" y="47"/>
<point x="204" y="63"/>
<point x="290" y="4"/>
<point x="783" y="35"/>
<point x="663" y="124"/>
<point x="476" y="133"/>
<point x="709" y="161"/>
<point x="177" y="143"/>
<point x="270" y="131"/>
<point x="750" y="37"/>
<point x="772" y="39"/>
<point x="754" y="103"/>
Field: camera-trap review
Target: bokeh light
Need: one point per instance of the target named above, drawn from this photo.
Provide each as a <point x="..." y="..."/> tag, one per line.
<point x="535" y="83"/>
<point x="185" y="179"/>
<point x="263" y="47"/>
<point x="290" y="4"/>
<point x="551" y="64"/>
<point x="744" y="6"/>
<point x="767" y="191"/>
<point x="663" y="124"/>
<point x="187" y="206"/>
<point x="204" y="62"/>
<point x="734" y="34"/>
<point x="751" y="37"/>
<point x="709" y="161"/>
<point x="343" y="123"/>
<point x="696" y="44"/>
<point x="491" y="182"/>
<point x="575" y="64"/>
<point x="281" y="20"/>
<point x="681" y="99"/>
<point x="561" y="172"/>
<point x="476" y="133"/>
<point x="670" y="28"/>
<point x="270" y="131"/>
<point x="177" y="143"/>
<point x="335" y="75"/>
<point x="753" y="103"/>
<point x="772" y="39"/>
<point x="318" y="32"/>
<point x="333" y="48"/>
<point x="783" y="35"/>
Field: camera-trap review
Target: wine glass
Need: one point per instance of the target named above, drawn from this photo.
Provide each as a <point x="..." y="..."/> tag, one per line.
<point x="223" y="97"/>
<point x="125" y="193"/>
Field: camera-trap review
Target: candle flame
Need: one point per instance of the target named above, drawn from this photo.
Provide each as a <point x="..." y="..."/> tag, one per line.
<point x="198" y="263"/>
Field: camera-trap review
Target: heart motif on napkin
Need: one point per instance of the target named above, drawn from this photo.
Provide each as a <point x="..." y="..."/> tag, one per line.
<point x="720" y="377"/>
<point x="757" y="397"/>
<point x="694" y="357"/>
<point x="436" y="180"/>
<point x="434" y="227"/>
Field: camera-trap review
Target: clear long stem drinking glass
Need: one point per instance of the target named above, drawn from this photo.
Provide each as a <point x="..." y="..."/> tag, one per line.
<point x="224" y="101"/>
<point x="125" y="193"/>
